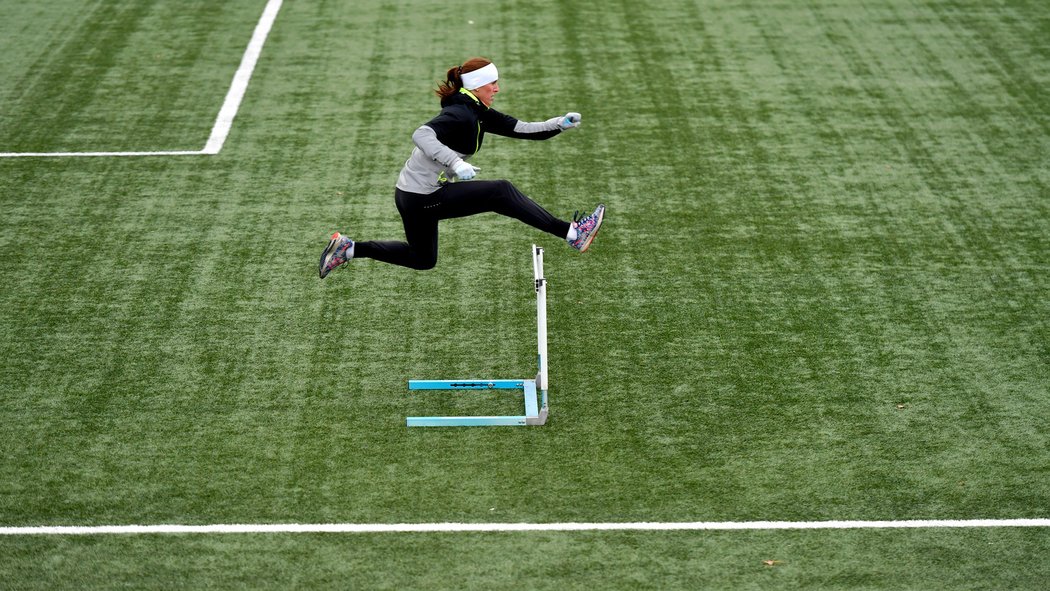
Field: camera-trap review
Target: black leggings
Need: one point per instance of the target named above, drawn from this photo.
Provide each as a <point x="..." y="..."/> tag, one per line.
<point x="421" y="214"/>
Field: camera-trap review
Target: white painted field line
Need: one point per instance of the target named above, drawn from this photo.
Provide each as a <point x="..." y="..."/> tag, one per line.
<point x="232" y="104"/>
<point x="88" y="154"/>
<point x="223" y="122"/>
<point x="359" y="528"/>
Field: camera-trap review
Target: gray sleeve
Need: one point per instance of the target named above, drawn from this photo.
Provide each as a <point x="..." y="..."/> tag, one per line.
<point x="426" y="140"/>
<point x="538" y="127"/>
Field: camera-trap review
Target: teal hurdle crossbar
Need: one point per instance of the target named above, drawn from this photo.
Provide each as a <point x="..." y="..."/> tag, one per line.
<point x="534" y="390"/>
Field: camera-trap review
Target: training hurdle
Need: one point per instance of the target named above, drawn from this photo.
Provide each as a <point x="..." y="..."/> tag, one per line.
<point x="535" y="390"/>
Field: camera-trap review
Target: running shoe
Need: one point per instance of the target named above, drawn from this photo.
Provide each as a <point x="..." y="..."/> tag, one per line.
<point x="339" y="250"/>
<point x="587" y="228"/>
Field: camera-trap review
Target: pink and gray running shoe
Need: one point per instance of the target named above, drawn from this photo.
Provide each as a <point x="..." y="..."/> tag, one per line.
<point x="339" y="250"/>
<point x="586" y="228"/>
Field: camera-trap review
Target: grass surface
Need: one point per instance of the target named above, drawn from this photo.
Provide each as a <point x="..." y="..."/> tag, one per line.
<point x="821" y="293"/>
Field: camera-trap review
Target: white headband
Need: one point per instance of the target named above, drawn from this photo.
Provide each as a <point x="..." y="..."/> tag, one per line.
<point x="480" y="77"/>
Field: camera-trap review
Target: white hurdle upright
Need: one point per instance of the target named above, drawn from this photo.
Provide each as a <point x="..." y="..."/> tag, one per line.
<point x="535" y="390"/>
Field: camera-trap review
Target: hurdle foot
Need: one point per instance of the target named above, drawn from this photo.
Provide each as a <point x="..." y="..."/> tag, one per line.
<point x="540" y="419"/>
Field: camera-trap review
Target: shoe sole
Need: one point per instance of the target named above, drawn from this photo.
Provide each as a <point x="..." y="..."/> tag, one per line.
<point x="594" y="232"/>
<point x="326" y="254"/>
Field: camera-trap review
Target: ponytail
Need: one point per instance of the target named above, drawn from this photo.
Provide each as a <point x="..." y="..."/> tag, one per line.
<point x="453" y="82"/>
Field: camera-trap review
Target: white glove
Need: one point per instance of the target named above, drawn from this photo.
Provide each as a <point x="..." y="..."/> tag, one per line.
<point x="570" y="120"/>
<point x="465" y="170"/>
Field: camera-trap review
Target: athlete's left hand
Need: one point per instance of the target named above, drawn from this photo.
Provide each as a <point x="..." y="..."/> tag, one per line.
<point x="570" y="120"/>
<point x="465" y="170"/>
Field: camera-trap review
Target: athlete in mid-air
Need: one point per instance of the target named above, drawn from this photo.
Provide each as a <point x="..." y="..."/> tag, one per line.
<point x="431" y="186"/>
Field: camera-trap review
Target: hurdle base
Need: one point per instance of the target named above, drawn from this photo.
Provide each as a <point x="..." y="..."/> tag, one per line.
<point x="535" y="414"/>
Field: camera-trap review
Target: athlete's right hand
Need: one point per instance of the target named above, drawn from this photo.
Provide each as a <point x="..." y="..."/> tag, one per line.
<point x="465" y="170"/>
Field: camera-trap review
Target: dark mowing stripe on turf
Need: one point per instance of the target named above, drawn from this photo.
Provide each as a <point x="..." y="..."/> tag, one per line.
<point x="64" y="86"/>
<point x="77" y="61"/>
<point x="660" y="86"/>
<point x="746" y="132"/>
<point x="945" y="178"/>
<point x="1016" y="76"/>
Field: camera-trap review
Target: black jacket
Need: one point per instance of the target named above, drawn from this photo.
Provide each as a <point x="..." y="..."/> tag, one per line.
<point x="464" y="121"/>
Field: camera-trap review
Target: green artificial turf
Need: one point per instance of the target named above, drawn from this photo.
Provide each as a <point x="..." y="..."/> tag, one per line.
<point x="820" y="294"/>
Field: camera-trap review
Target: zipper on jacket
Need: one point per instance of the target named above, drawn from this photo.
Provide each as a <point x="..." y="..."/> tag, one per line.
<point x="477" y="139"/>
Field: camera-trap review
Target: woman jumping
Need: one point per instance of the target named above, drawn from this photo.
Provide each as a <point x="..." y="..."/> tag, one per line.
<point x="430" y="186"/>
